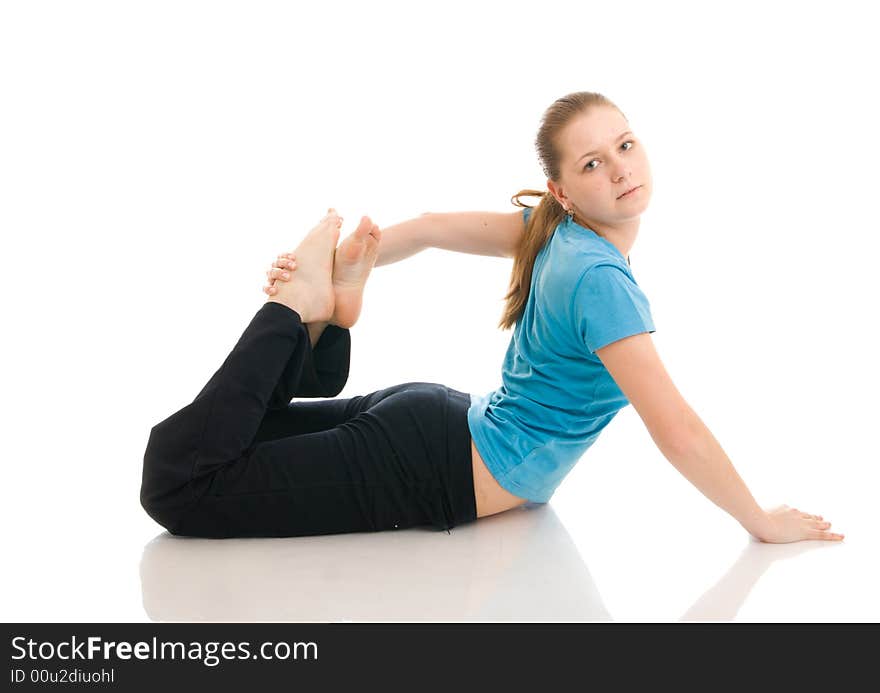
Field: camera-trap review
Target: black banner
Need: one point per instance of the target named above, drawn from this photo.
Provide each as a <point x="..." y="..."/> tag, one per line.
<point x="390" y="656"/>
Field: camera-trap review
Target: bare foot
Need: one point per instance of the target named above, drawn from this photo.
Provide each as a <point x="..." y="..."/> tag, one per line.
<point x="310" y="289"/>
<point x="354" y="259"/>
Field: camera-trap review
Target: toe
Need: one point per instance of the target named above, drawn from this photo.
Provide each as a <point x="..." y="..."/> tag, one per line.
<point x="331" y="221"/>
<point x="364" y="227"/>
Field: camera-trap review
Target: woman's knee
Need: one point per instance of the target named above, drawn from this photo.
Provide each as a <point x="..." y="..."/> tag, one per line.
<point x="166" y="481"/>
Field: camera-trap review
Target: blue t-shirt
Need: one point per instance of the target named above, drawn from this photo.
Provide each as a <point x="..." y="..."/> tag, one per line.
<point x="556" y="395"/>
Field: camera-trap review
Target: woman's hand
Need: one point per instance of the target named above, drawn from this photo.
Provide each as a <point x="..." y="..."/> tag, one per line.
<point x="281" y="269"/>
<point x="785" y="525"/>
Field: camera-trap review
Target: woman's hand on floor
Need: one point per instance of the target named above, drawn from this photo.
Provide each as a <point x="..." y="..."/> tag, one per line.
<point x="786" y="525"/>
<point x="281" y="269"/>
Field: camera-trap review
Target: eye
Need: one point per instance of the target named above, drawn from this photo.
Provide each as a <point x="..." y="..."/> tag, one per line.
<point x="587" y="166"/>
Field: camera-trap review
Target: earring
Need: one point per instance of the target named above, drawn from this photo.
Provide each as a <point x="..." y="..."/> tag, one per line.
<point x="570" y="213"/>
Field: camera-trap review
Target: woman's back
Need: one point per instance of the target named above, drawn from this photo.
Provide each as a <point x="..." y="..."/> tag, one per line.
<point x="556" y="396"/>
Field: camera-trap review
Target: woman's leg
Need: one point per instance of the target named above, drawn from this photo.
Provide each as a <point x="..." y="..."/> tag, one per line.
<point x="187" y="448"/>
<point x="227" y="464"/>
<point x="207" y="474"/>
<point x="324" y="374"/>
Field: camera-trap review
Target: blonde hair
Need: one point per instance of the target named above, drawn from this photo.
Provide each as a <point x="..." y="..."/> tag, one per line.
<point x="546" y="216"/>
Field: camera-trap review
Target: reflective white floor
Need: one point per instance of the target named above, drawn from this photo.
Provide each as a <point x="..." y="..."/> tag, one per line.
<point x="528" y="564"/>
<point x="518" y="566"/>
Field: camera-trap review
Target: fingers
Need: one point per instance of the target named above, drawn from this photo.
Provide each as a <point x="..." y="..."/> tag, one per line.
<point x="281" y="268"/>
<point x="277" y="273"/>
<point x="820" y="529"/>
<point x="804" y="515"/>
<point x="823" y="536"/>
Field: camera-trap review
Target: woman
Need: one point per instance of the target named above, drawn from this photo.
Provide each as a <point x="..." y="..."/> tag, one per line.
<point x="242" y="460"/>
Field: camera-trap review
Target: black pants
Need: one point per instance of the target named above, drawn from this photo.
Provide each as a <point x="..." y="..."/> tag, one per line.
<point x="242" y="460"/>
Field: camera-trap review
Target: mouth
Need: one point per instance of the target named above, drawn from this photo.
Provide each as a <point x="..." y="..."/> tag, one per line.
<point x="629" y="191"/>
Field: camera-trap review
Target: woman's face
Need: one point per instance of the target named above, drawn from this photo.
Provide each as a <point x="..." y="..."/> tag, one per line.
<point x="601" y="160"/>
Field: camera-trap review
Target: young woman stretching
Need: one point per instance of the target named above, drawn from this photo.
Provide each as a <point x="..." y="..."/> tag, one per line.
<point x="243" y="460"/>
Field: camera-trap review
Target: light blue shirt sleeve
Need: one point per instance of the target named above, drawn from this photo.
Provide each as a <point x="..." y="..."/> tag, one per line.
<point x="608" y="305"/>
<point x="527" y="211"/>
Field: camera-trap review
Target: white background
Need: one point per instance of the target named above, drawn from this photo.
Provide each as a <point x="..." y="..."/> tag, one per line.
<point x="156" y="156"/>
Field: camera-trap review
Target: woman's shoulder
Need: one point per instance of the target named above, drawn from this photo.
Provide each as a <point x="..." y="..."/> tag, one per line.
<point x="579" y="254"/>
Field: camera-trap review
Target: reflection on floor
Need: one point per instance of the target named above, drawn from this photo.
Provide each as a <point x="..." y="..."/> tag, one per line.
<point x="520" y="566"/>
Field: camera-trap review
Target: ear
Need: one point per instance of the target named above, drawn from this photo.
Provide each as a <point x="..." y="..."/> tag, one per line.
<point x="556" y="191"/>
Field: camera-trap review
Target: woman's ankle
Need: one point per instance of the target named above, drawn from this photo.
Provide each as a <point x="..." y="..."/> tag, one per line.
<point x="304" y="316"/>
<point x="316" y="329"/>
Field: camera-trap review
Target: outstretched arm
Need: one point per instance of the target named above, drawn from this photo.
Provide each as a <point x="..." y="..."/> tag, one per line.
<point x="403" y="240"/>
<point x="688" y="444"/>
<point x="495" y="234"/>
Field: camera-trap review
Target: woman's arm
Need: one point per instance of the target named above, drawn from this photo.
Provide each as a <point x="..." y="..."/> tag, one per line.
<point x="402" y="240"/>
<point x="495" y="234"/>
<point x="686" y="442"/>
<point x="679" y="433"/>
